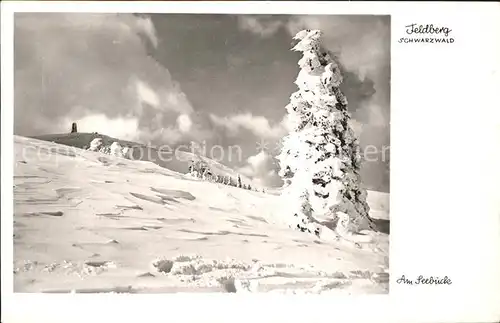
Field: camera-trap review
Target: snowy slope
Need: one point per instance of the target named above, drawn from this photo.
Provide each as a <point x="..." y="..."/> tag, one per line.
<point x="177" y="160"/>
<point x="89" y="222"/>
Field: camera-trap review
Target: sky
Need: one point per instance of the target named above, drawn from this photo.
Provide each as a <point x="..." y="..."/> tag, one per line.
<point x="171" y="79"/>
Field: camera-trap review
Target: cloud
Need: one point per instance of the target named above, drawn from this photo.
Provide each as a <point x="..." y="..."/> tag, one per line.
<point x="235" y="61"/>
<point x="362" y="45"/>
<point x="177" y="100"/>
<point x="362" y="42"/>
<point x="259" y="160"/>
<point x="69" y="66"/>
<point x="145" y="26"/>
<point x="246" y="170"/>
<point x="119" y="24"/>
<point x="187" y="128"/>
<point x="120" y="128"/>
<point x="377" y="117"/>
<point x="261" y="169"/>
<point x="184" y="123"/>
<point x="164" y="136"/>
<point x="264" y="26"/>
<point x="258" y="125"/>
<point x="146" y="94"/>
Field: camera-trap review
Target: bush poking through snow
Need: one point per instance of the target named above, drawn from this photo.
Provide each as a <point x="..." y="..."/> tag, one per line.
<point x="163" y="265"/>
<point x="115" y="149"/>
<point x="200" y="169"/>
<point x="246" y="285"/>
<point x="227" y="283"/>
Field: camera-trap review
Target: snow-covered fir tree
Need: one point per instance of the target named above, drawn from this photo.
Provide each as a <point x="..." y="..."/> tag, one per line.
<point x="320" y="157"/>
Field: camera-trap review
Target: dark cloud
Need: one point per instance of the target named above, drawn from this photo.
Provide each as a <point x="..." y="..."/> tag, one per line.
<point x="74" y="66"/>
<point x="261" y="169"/>
<point x="359" y="92"/>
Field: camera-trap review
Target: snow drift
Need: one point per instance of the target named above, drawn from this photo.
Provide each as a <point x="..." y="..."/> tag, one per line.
<point x="85" y="221"/>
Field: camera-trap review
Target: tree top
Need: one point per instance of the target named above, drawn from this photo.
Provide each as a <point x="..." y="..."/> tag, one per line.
<point x="308" y="40"/>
